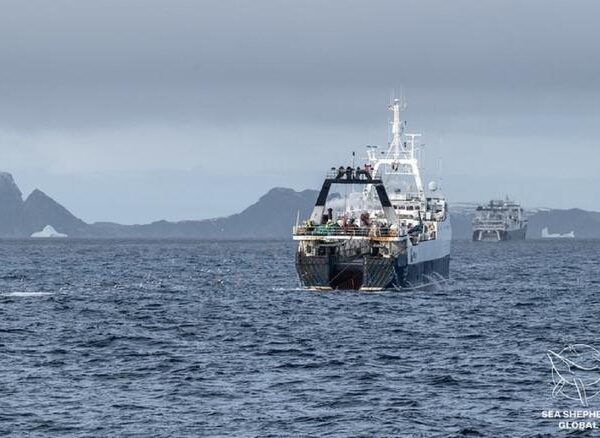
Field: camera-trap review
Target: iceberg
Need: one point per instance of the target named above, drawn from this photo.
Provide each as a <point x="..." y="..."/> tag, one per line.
<point x="547" y="235"/>
<point x="48" y="231"/>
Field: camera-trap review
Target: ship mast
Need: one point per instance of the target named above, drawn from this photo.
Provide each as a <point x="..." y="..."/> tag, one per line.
<point x="397" y="129"/>
<point x="401" y="158"/>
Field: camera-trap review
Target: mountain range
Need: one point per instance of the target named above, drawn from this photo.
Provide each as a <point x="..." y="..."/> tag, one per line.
<point x="271" y="217"/>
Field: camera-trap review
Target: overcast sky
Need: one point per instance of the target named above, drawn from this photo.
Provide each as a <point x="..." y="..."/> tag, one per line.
<point x="133" y="111"/>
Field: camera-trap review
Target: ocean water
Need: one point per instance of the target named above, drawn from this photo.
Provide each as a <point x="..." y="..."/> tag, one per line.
<point x="197" y="338"/>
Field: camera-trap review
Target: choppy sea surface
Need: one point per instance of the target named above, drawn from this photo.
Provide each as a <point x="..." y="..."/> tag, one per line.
<point x="200" y="338"/>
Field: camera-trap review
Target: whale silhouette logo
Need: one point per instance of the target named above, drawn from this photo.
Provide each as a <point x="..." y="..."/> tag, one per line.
<point x="576" y="372"/>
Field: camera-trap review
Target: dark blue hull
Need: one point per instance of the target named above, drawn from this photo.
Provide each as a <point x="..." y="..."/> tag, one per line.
<point x="424" y="273"/>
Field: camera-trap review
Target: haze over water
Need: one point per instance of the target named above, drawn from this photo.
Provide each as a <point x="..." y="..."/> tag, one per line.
<point x="202" y="338"/>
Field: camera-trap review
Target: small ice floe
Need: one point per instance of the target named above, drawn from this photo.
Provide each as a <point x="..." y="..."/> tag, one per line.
<point x="25" y="294"/>
<point x="48" y="231"/>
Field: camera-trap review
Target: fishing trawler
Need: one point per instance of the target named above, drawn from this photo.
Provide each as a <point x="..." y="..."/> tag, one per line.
<point x="499" y="220"/>
<point x="385" y="231"/>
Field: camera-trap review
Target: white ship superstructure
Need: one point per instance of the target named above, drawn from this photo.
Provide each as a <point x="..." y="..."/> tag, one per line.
<point x="499" y="220"/>
<point x="389" y="234"/>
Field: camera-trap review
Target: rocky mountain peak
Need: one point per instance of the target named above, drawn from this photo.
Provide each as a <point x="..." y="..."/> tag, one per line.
<point x="12" y="215"/>
<point x="8" y="188"/>
<point x="41" y="210"/>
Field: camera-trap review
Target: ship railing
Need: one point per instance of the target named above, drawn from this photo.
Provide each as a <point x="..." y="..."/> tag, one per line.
<point x="488" y="222"/>
<point x="324" y="230"/>
<point x="352" y="173"/>
<point x="490" y="226"/>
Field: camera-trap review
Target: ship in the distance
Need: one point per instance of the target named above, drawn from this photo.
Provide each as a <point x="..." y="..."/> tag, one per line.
<point x="499" y="220"/>
<point x="390" y="233"/>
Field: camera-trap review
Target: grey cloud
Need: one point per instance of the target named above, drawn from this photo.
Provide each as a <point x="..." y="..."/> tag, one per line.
<point x="111" y="86"/>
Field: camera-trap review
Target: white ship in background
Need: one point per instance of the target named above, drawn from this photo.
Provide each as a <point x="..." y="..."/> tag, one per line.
<point x="390" y="234"/>
<point x="499" y="220"/>
<point x="547" y="235"/>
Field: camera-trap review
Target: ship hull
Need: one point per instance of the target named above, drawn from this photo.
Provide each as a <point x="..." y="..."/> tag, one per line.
<point x="416" y="266"/>
<point x="498" y="236"/>
<point x="370" y="273"/>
